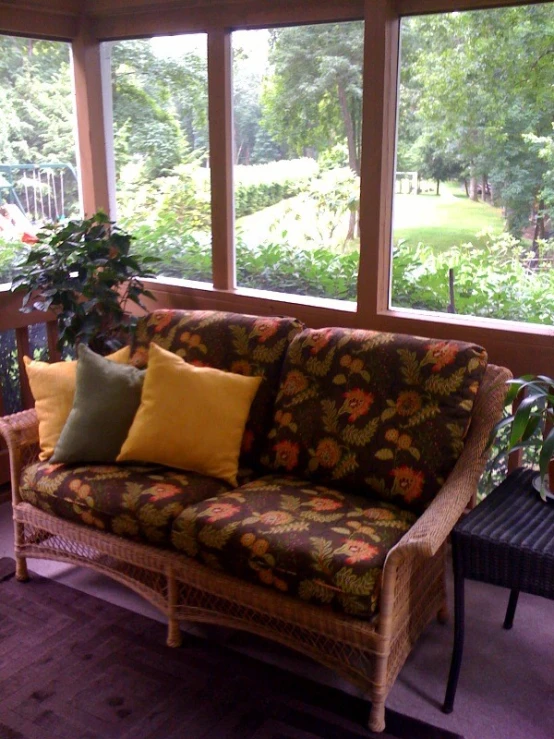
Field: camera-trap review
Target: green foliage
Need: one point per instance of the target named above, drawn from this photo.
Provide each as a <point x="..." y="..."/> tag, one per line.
<point x="151" y="133"/>
<point x="314" y="97"/>
<point x="462" y="95"/>
<point x="36" y="101"/>
<point x="160" y="106"/>
<point x="493" y="281"/>
<point x="85" y="273"/>
<point x="530" y="425"/>
<point x="262" y="185"/>
<point x="10" y="252"/>
<point x="178" y="200"/>
<point x="270" y="266"/>
<point x="314" y="272"/>
<point x="333" y="194"/>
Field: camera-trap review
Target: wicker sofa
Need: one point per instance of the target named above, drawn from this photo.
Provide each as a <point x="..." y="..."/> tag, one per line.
<point x="361" y="451"/>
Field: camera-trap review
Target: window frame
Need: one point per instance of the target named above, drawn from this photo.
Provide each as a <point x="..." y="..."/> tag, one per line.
<point x="522" y="347"/>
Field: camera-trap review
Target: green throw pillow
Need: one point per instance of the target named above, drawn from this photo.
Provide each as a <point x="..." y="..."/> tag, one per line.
<point x="107" y="396"/>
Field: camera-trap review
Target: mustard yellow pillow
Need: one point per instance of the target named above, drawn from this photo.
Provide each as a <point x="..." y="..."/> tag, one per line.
<point x="53" y="388"/>
<point x="190" y="417"/>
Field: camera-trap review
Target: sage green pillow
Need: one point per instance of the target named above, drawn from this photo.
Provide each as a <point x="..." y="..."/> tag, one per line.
<point x="107" y="396"/>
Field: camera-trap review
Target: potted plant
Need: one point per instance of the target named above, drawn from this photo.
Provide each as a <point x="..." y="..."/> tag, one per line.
<point x="84" y="272"/>
<point x="530" y="426"/>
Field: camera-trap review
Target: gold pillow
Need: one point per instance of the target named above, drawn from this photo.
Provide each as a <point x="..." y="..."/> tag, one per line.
<point x="53" y="388"/>
<point x="190" y="417"/>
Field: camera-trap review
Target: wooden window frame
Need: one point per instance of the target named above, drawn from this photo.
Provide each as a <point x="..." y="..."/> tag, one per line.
<point x="522" y="347"/>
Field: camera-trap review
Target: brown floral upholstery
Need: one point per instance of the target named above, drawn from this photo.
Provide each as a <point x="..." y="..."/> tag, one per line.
<point x="137" y="502"/>
<point x="312" y="542"/>
<point x="376" y="413"/>
<point x="247" y="345"/>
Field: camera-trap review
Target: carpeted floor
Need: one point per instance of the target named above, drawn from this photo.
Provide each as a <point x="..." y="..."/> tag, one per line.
<point x="75" y="667"/>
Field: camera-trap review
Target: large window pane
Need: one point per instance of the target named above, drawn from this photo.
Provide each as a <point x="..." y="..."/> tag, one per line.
<point x="160" y="120"/>
<point x="38" y="178"/>
<point x="474" y="192"/>
<point x="297" y="115"/>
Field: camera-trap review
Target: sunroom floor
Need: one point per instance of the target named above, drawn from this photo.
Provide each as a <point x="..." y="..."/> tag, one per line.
<point x="506" y="689"/>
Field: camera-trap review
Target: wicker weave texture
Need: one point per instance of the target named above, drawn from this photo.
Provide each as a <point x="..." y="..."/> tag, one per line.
<point x="369" y="653"/>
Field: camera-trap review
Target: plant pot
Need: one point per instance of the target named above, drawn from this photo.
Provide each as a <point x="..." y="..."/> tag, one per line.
<point x="546" y="490"/>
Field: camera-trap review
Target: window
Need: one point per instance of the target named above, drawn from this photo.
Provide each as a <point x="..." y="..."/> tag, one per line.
<point x="38" y="178"/>
<point x="160" y="124"/>
<point x="297" y="97"/>
<point x="473" y="227"/>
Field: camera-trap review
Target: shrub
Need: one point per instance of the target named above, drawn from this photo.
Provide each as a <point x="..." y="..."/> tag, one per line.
<point x="260" y="185"/>
<point x="494" y="281"/>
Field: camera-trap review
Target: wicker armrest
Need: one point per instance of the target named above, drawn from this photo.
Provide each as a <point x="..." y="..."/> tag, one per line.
<point x="431" y="529"/>
<point x="20" y="432"/>
<point x="20" y="429"/>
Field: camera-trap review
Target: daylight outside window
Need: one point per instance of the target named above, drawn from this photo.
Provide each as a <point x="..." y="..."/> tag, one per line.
<point x="38" y="169"/>
<point x="38" y="176"/>
<point x="297" y="110"/>
<point x="473" y="224"/>
<point x="161" y="150"/>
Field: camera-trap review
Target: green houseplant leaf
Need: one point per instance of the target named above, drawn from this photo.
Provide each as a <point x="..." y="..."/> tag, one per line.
<point x="530" y="424"/>
<point x="84" y="272"/>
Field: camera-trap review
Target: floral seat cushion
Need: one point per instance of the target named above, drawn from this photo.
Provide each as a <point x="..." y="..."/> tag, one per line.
<point x="315" y="543"/>
<point x="248" y="345"/>
<point x="374" y="413"/>
<point x="137" y="502"/>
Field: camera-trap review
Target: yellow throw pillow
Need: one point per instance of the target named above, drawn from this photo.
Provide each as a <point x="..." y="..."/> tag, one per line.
<point x="53" y="388"/>
<point x="190" y="417"/>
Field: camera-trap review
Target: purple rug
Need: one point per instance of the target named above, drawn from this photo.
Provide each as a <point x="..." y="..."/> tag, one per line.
<point x="75" y="667"/>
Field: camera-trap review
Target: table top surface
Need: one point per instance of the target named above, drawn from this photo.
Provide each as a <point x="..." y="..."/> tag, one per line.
<point x="513" y="515"/>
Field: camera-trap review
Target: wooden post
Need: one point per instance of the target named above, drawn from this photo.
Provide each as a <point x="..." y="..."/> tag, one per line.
<point x="221" y="157"/>
<point x="377" y="167"/>
<point x="88" y="72"/>
<point x="51" y="340"/>
<point x="24" y="349"/>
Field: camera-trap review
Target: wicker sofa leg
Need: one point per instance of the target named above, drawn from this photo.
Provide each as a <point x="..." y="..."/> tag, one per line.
<point x="377" y="715"/>
<point x="174" y="636"/>
<point x="21" y="571"/>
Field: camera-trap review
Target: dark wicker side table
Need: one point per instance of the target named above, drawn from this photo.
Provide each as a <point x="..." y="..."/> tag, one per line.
<point x="507" y="540"/>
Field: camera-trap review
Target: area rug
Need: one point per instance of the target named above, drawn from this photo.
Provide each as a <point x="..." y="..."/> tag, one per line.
<point x="73" y="666"/>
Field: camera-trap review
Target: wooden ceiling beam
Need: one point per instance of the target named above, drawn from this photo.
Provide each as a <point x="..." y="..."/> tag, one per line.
<point x="418" y="7"/>
<point x="222" y="14"/>
<point x="38" y="21"/>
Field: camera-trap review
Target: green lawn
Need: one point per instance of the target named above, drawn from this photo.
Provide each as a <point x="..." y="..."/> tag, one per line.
<point x="300" y="220"/>
<point x="444" y="221"/>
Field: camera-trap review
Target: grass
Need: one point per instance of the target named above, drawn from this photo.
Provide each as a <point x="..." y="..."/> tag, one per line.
<point x="444" y="221"/>
<point x="297" y="221"/>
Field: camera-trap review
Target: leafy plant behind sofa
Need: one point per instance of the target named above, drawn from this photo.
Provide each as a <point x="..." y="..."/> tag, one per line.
<point x="85" y="273"/>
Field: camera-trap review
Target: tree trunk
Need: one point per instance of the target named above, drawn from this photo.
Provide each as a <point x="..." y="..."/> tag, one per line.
<point x="352" y="158"/>
<point x="484" y="188"/>
<point x="351" y="226"/>
<point x="349" y="128"/>
<point x="438" y="187"/>
<point x="537" y="234"/>
<point x="473" y="188"/>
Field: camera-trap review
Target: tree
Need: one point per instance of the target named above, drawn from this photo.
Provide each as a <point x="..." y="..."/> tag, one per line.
<point x="479" y="99"/>
<point x="436" y="164"/>
<point x="313" y="98"/>
<point x="36" y="101"/>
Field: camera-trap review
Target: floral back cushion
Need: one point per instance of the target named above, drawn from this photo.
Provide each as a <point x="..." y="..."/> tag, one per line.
<point x="374" y="413"/>
<point x="247" y="345"/>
